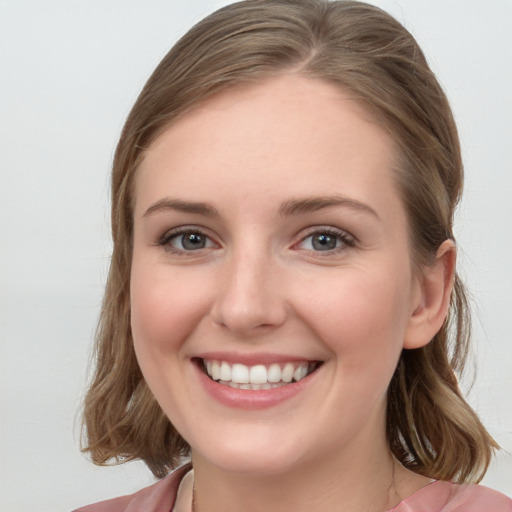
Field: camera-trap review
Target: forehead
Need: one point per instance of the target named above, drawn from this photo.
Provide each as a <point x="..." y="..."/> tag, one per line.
<point x="290" y="134"/>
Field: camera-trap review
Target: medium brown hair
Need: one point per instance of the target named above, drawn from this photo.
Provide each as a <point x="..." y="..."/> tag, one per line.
<point x="363" y="50"/>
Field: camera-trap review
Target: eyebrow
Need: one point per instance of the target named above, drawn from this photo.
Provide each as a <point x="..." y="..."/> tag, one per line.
<point x="291" y="207"/>
<point x="313" y="204"/>
<point x="182" y="206"/>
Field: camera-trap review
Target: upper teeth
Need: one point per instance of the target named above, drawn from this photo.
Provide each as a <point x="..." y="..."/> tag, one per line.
<point x="259" y="374"/>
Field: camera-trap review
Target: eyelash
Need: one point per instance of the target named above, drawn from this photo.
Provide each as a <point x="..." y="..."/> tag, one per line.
<point x="345" y="238"/>
<point x="169" y="236"/>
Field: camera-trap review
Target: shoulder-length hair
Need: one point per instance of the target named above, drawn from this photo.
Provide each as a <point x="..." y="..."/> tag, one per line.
<point x="430" y="427"/>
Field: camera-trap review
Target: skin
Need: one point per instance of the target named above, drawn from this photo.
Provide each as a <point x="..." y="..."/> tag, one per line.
<point x="260" y="286"/>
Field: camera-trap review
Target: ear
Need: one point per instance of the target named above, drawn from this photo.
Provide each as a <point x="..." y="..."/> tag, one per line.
<point x="431" y="298"/>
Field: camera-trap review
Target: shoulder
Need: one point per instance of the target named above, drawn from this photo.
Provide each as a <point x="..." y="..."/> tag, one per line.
<point x="477" y="498"/>
<point x="449" y="497"/>
<point x="158" y="497"/>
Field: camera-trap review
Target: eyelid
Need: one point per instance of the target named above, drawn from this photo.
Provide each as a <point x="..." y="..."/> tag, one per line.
<point x="170" y="234"/>
<point x="346" y="238"/>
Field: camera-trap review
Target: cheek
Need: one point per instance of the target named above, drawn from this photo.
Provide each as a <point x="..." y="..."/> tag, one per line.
<point x="165" y="308"/>
<point x="362" y="317"/>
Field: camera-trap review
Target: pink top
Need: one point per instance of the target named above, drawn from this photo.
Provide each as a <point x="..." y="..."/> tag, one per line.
<point x="438" y="496"/>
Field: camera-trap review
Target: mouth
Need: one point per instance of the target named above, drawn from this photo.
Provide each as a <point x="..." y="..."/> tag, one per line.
<point x="259" y="376"/>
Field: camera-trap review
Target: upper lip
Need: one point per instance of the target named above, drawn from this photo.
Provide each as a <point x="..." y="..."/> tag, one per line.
<point x="254" y="358"/>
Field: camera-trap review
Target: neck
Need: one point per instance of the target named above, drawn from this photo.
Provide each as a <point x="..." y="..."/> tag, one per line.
<point x="355" y="481"/>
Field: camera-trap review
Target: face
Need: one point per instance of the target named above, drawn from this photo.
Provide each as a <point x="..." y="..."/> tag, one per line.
<point x="271" y="284"/>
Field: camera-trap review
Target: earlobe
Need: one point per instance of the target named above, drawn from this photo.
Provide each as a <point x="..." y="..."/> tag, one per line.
<point x="432" y="299"/>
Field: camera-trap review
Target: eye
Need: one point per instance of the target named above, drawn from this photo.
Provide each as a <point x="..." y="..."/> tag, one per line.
<point x="325" y="240"/>
<point x="186" y="241"/>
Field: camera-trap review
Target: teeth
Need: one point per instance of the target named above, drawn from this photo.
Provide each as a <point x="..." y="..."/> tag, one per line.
<point x="274" y="373"/>
<point x="256" y="377"/>
<point x="225" y="371"/>
<point x="215" y="375"/>
<point x="287" y="373"/>
<point x="253" y="387"/>
<point x="239" y="374"/>
<point x="258" y="374"/>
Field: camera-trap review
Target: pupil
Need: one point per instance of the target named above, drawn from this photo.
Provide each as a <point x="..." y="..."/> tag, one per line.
<point x="193" y="241"/>
<point x="324" y="242"/>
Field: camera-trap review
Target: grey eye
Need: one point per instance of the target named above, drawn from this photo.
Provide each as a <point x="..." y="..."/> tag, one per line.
<point x="190" y="241"/>
<point x="324" y="241"/>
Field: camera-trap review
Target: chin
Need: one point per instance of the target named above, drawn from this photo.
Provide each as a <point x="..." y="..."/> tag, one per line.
<point x="253" y="458"/>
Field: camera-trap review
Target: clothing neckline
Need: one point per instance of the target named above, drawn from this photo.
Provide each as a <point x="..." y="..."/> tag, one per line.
<point x="414" y="495"/>
<point x="426" y="488"/>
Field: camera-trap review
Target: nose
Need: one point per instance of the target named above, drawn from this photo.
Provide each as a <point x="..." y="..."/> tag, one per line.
<point x="250" y="298"/>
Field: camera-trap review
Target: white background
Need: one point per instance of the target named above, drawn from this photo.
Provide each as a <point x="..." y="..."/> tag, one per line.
<point x="69" y="73"/>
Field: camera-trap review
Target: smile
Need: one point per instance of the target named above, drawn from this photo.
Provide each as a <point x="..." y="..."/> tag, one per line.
<point x="257" y="377"/>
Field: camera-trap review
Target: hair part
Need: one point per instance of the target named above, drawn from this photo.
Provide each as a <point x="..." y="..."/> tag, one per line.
<point x="430" y="427"/>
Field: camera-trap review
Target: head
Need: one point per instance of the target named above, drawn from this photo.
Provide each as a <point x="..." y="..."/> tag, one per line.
<point x="367" y="54"/>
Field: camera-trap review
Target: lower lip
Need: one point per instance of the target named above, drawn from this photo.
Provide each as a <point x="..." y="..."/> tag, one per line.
<point x="252" y="399"/>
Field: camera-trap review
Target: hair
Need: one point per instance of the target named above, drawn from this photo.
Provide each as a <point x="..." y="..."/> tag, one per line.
<point x="430" y="427"/>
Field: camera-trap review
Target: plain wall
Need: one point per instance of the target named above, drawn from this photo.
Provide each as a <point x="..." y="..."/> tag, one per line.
<point x="69" y="73"/>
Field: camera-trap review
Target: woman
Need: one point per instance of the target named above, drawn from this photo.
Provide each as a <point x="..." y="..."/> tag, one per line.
<point x="283" y="297"/>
